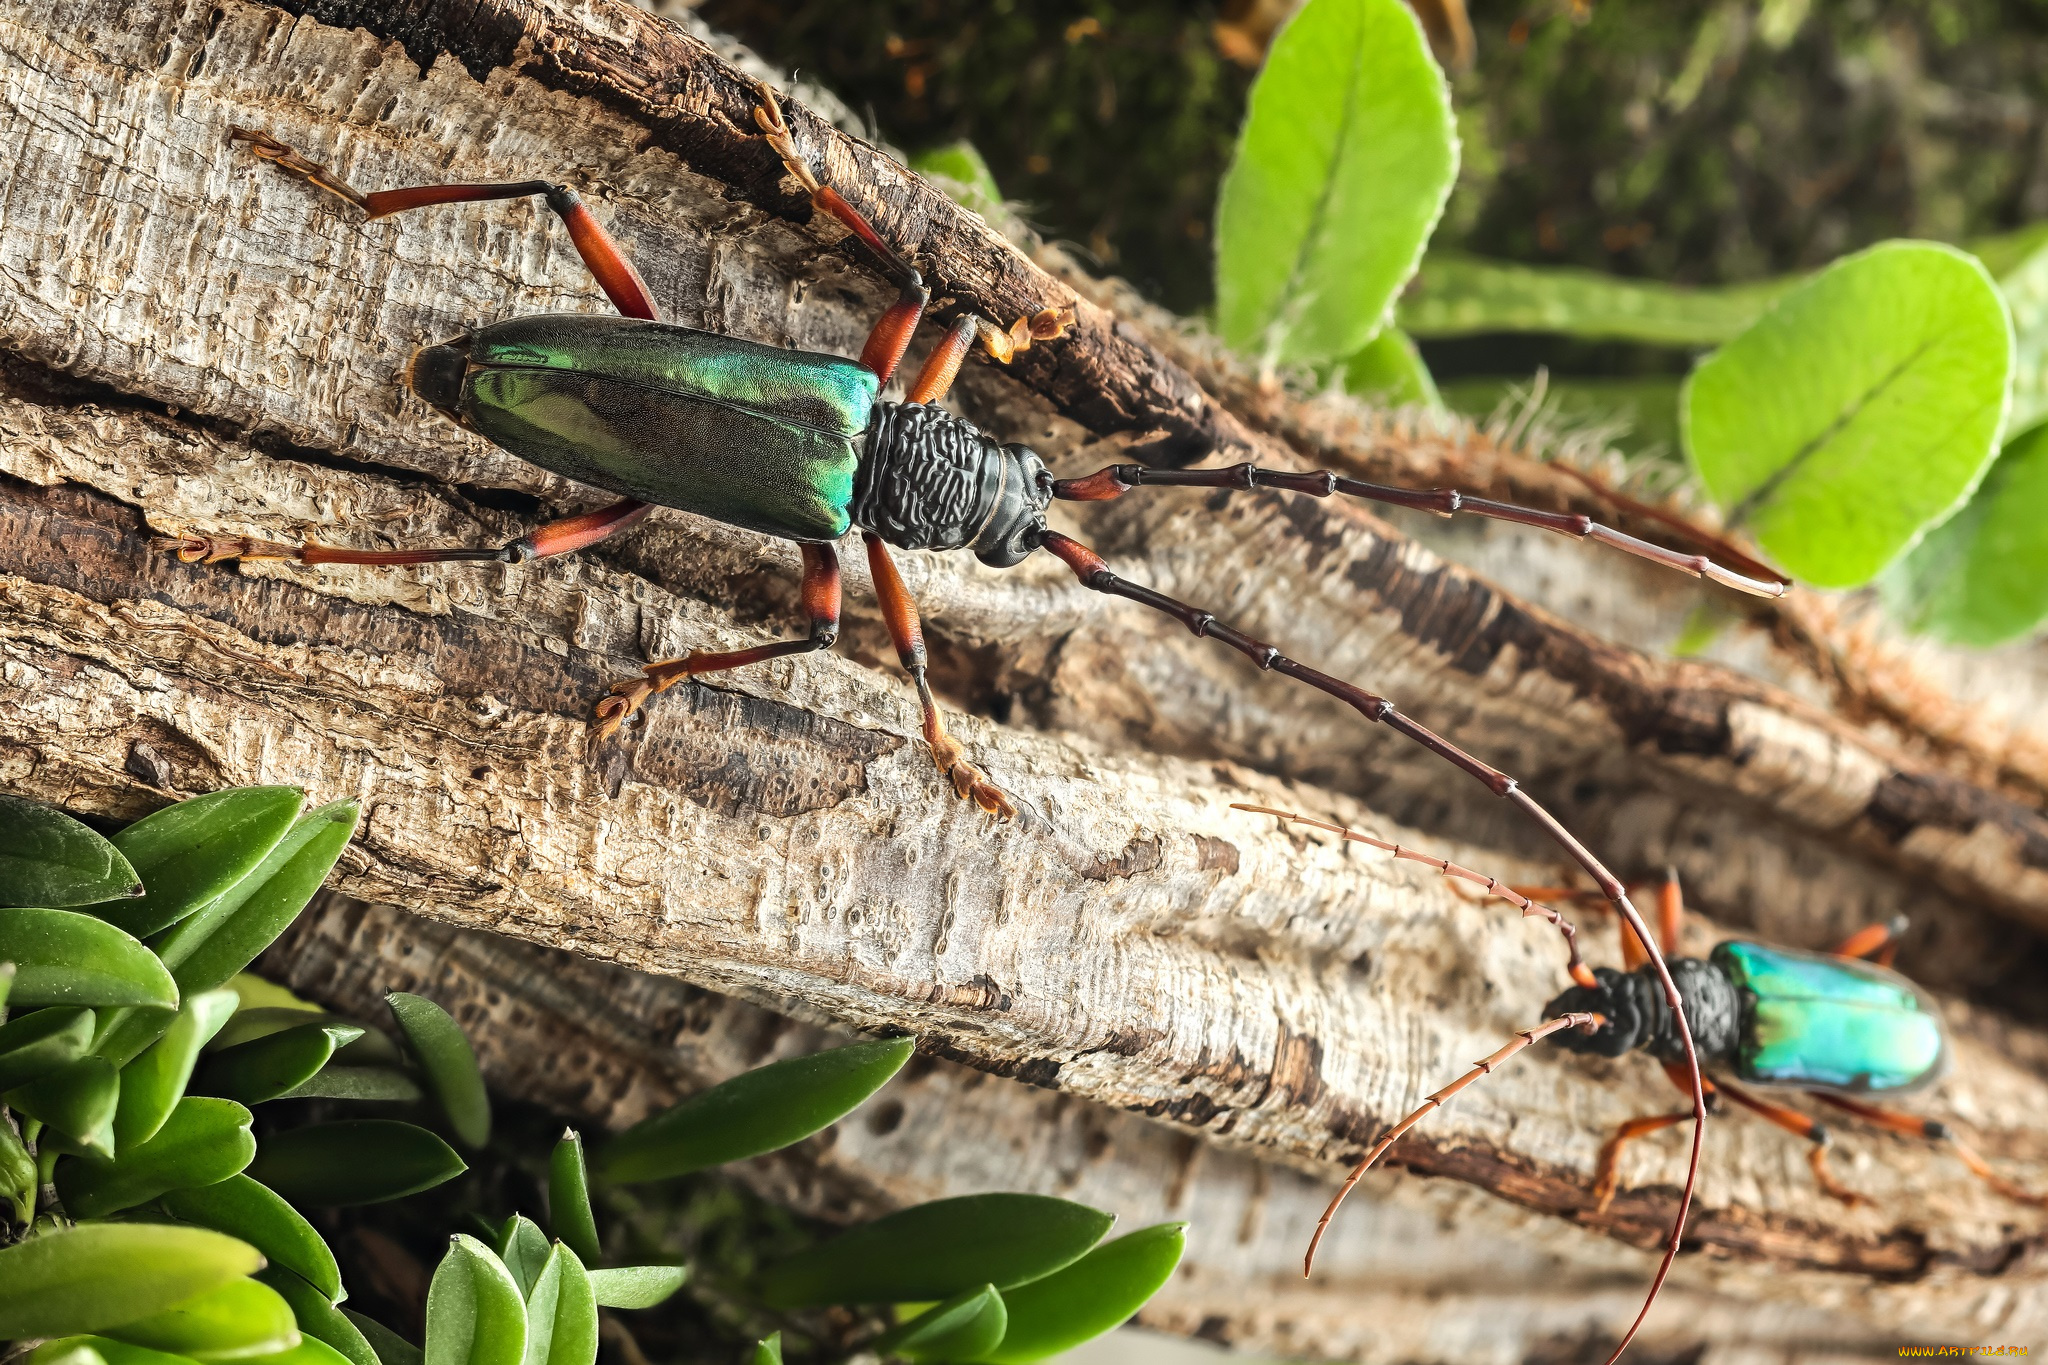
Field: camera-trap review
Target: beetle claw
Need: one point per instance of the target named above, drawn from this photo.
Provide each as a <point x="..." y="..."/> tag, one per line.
<point x="213" y="549"/>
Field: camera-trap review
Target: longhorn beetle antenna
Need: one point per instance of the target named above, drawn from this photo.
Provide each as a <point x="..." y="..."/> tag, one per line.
<point x="1581" y="974"/>
<point x="1587" y="1023"/>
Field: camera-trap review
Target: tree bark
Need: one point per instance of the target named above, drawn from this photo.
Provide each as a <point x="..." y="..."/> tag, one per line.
<point x="195" y="342"/>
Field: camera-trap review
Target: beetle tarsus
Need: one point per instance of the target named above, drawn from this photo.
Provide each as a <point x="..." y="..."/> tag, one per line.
<point x="195" y="549"/>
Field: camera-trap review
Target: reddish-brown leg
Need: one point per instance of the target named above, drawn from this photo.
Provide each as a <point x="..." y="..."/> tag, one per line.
<point x="907" y="632"/>
<point x="1799" y="1125"/>
<point x="820" y="594"/>
<point x="1912" y="1125"/>
<point x="1878" y="942"/>
<point x="614" y="273"/>
<point x="555" y="538"/>
<point x="1118" y="479"/>
<point x="891" y="335"/>
<point x="935" y="376"/>
<point x="1607" y="1173"/>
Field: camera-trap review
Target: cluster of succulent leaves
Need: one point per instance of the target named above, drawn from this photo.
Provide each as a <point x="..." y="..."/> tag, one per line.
<point x="1858" y="421"/>
<point x="142" y="1222"/>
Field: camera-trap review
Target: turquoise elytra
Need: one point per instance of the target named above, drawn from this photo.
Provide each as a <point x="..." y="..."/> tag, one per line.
<point x="751" y="435"/>
<point x="1833" y="1023"/>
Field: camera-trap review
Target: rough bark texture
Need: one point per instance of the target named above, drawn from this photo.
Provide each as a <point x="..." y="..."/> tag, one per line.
<point x="196" y="342"/>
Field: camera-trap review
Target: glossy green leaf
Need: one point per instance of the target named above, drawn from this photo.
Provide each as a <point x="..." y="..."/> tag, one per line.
<point x="233" y="1321"/>
<point x="49" y="859"/>
<point x="190" y="853"/>
<point x="318" y="1317"/>
<point x="77" y="1100"/>
<point x="96" y="1275"/>
<point x="356" y="1083"/>
<point x="524" y="1249"/>
<point x="962" y="175"/>
<point x="222" y="937"/>
<point x="247" y="1209"/>
<point x="1347" y="156"/>
<point x="357" y="1161"/>
<point x="1981" y="577"/>
<point x="38" y="1042"/>
<point x="1390" y="371"/>
<point x="1453" y="294"/>
<point x="263" y="1070"/>
<point x="107" y="1351"/>
<point x="449" y="1063"/>
<point x="1099" y="1292"/>
<point x="6" y="982"/>
<point x="1862" y="407"/>
<point x="768" y="1351"/>
<point x="250" y="1023"/>
<point x="561" y="1313"/>
<point x="391" y="1348"/>
<point x="155" y="1081"/>
<point x="962" y="1328"/>
<point x="569" y="1199"/>
<point x="2026" y="293"/>
<point x="203" y="1142"/>
<point x="759" y="1111"/>
<point x="66" y="957"/>
<point x="932" y="1251"/>
<point x="475" y="1313"/>
<point x="637" y="1286"/>
<point x="127" y="1032"/>
<point x="310" y="1351"/>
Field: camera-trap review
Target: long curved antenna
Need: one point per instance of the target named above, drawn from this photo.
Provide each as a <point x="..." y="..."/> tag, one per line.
<point x="1581" y="974"/>
<point x="1526" y="1038"/>
<point x="1113" y="481"/>
<point x="1096" y="576"/>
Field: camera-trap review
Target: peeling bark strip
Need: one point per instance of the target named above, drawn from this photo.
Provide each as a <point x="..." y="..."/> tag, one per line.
<point x="612" y="1046"/>
<point x="782" y="836"/>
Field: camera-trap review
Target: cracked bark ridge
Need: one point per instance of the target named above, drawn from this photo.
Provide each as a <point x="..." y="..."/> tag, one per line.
<point x="692" y="103"/>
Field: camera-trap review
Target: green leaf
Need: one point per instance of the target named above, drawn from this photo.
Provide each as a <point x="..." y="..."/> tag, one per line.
<point x="263" y="1070"/>
<point x="960" y="173"/>
<point x="6" y="982"/>
<point x="202" y="1143"/>
<point x="1981" y="577"/>
<point x="1347" y="156"/>
<point x="77" y="1100"/>
<point x="768" y="1351"/>
<point x="357" y="1161"/>
<point x="1389" y="371"/>
<point x="2026" y="294"/>
<point x="569" y="1199"/>
<point x="233" y="1321"/>
<point x="1862" y="407"/>
<point x="449" y="1063"/>
<point x="154" y="1082"/>
<point x="561" y="1314"/>
<point x="17" y="1174"/>
<point x="97" y="1275"/>
<point x="524" y="1249"/>
<point x="107" y="1351"/>
<point x="759" y="1111"/>
<point x="249" y="1024"/>
<point x="49" y="859"/>
<point x="40" y="1041"/>
<point x="932" y="1251"/>
<point x="475" y="1314"/>
<point x="1099" y="1292"/>
<point x="637" y="1286"/>
<point x="224" y="936"/>
<point x="391" y="1348"/>
<point x="66" y="957"/>
<point x="1453" y="294"/>
<point x="310" y="1351"/>
<point x="961" y="1328"/>
<point x="190" y="853"/>
<point x="318" y="1317"/>
<point x="356" y="1083"/>
<point x="247" y="1209"/>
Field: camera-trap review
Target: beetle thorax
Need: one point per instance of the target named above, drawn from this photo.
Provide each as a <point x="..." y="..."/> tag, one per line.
<point x="931" y="481"/>
<point x="1638" y="1017"/>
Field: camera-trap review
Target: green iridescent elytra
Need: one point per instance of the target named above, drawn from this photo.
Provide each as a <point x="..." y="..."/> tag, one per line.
<point x="1835" y="1023"/>
<point x="750" y="435"/>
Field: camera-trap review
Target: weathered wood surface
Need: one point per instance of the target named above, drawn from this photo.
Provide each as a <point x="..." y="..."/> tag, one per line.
<point x="197" y="342"/>
<point x="1417" y="1271"/>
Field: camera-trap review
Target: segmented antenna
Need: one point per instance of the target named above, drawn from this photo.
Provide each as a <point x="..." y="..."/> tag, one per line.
<point x="1590" y="1023"/>
<point x="1581" y="974"/>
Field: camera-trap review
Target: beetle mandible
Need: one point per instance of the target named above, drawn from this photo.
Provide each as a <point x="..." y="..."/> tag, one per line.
<point x="655" y="412"/>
